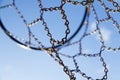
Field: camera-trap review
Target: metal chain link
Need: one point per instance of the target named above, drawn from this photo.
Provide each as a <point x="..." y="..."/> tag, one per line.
<point x="55" y="52"/>
<point x="84" y="2"/>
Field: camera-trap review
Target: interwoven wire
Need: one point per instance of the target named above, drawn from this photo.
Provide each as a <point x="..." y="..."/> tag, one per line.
<point x="56" y="53"/>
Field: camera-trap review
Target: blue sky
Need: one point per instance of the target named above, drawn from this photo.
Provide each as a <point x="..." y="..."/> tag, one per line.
<point x="18" y="63"/>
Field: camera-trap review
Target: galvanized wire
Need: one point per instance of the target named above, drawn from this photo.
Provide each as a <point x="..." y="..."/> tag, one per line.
<point x="55" y="52"/>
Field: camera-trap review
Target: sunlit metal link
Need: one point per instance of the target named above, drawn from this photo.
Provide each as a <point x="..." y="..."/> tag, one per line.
<point x="55" y="52"/>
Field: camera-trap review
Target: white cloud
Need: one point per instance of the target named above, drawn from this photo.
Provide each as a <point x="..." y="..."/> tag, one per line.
<point x="93" y="26"/>
<point x="106" y="34"/>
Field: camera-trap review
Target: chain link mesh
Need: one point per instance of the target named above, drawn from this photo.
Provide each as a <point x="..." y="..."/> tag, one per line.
<point x="56" y="53"/>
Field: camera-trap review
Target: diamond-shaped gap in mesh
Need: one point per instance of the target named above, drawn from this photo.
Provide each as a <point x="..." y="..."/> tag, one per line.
<point x="91" y="66"/>
<point x="91" y="44"/>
